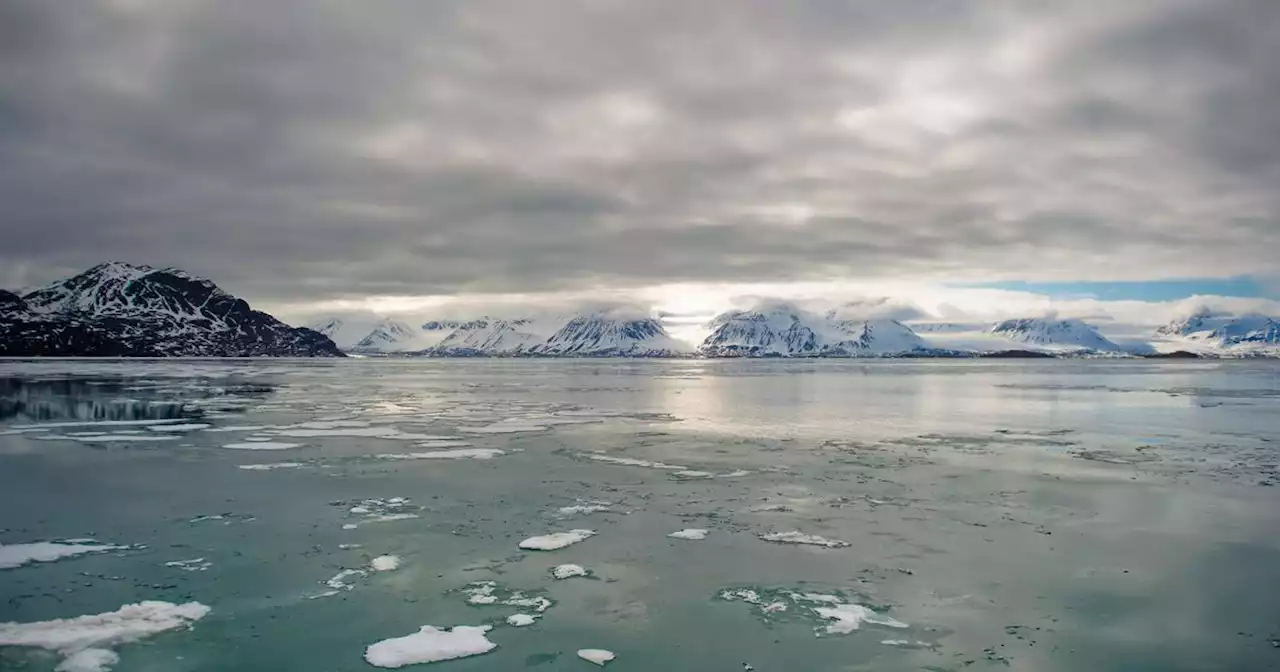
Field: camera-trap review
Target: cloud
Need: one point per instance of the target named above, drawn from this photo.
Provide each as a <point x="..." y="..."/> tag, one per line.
<point x="309" y="152"/>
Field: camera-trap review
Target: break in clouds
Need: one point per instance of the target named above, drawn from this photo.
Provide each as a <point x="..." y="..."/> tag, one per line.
<point x="302" y="152"/>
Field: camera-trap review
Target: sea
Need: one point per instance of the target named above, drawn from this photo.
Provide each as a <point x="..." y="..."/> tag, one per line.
<point x="517" y="514"/>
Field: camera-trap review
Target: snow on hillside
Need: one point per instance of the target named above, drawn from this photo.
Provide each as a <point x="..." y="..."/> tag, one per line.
<point x="494" y="336"/>
<point x="1054" y="334"/>
<point x="605" y="334"/>
<point x="1208" y="332"/>
<point x="776" y="329"/>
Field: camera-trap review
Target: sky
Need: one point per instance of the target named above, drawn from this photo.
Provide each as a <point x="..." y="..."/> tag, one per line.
<point x="973" y="159"/>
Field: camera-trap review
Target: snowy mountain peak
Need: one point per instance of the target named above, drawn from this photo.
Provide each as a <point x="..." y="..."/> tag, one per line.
<point x="116" y="288"/>
<point x="785" y="330"/>
<point x="600" y="334"/>
<point x="1225" y="330"/>
<point x="1070" y="334"/>
<point x="388" y="334"/>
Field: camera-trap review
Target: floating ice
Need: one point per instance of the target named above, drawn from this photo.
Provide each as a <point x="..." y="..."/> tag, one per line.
<point x="187" y="427"/>
<point x="83" y="640"/>
<point x="630" y="462"/>
<point x="509" y="426"/>
<point x="847" y="618"/>
<point x="89" y="660"/>
<point x="556" y="540"/>
<point x="430" y="645"/>
<point x="391" y="517"/>
<point x="262" y="445"/>
<point x="237" y="428"/>
<point x="521" y="620"/>
<point x="692" y="534"/>
<point x="798" y="537"/>
<point x="584" y="508"/>
<point x="693" y="474"/>
<point x="271" y="465"/>
<point x="101" y="438"/>
<point x="385" y="563"/>
<point x="460" y="454"/>
<point x="347" y="547"/>
<point x="383" y="432"/>
<point x="489" y="593"/>
<point x="906" y="642"/>
<point x="192" y="565"/>
<point x="567" y="571"/>
<point x="339" y="580"/>
<point x="17" y="555"/>
<point x="598" y="656"/>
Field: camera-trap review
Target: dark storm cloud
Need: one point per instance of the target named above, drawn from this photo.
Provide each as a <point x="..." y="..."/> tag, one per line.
<point x="304" y="150"/>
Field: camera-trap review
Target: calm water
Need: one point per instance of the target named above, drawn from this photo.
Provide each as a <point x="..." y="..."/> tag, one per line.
<point x="1050" y="516"/>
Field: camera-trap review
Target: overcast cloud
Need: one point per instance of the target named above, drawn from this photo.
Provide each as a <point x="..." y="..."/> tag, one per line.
<point x="301" y="151"/>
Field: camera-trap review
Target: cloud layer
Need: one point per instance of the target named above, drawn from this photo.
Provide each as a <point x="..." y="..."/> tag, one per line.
<point x="305" y="151"/>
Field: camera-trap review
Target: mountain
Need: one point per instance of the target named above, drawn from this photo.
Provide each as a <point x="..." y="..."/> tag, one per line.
<point x="602" y="335"/>
<point x="488" y="337"/>
<point x="1225" y="331"/>
<point x="1054" y="334"/>
<point x="117" y="309"/>
<point x="784" y="330"/>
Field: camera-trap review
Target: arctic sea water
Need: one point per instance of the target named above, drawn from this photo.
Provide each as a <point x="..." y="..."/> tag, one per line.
<point x="329" y="516"/>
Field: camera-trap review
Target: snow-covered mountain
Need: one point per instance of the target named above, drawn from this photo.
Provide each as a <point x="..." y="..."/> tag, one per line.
<point x="785" y="330"/>
<point x="1230" y="333"/>
<point x="117" y="309"/>
<point x="389" y="335"/>
<point x="605" y="335"/>
<point x="490" y="336"/>
<point x="1054" y="334"/>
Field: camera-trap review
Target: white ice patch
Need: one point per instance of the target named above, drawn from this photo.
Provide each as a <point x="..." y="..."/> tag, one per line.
<point x="339" y="580"/>
<point x="430" y="645"/>
<point x="905" y="642"/>
<point x="187" y="427"/>
<point x="89" y="660"/>
<point x="583" y="508"/>
<point x="262" y="445"/>
<point x="17" y="555"/>
<point x="84" y="640"/>
<point x="521" y="620"/>
<point x="630" y="462"/>
<point x="690" y="474"/>
<point x="556" y="540"/>
<point x="509" y="426"/>
<point x="598" y="656"/>
<point x="848" y="617"/>
<point x="271" y="465"/>
<point x="236" y="428"/>
<point x="798" y="537"/>
<point x="692" y="534"/>
<point x="192" y="565"/>
<point x="385" y="563"/>
<point x="460" y="454"/>
<point x="563" y="572"/>
<point x="383" y="432"/>
<point x="485" y="593"/>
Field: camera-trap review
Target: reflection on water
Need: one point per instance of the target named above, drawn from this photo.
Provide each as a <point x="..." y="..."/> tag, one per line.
<point x="117" y="399"/>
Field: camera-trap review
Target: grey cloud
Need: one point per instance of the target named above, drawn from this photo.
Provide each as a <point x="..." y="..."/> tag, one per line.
<point x="297" y="151"/>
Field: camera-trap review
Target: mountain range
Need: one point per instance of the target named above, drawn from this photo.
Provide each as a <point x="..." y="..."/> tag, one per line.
<point x="123" y="310"/>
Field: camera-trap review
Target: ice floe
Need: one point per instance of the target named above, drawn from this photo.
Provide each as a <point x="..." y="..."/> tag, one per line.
<point x="429" y="645"/>
<point x="459" y="454"/>
<point x="385" y="563"/>
<point x="340" y="581"/>
<point x="798" y="537"/>
<point x="89" y="660"/>
<point x="521" y="620"/>
<point x="262" y="445"/>
<point x="509" y="426"/>
<point x="692" y="534"/>
<point x="489" y="593"/>
<point x="556" y="540"/>
<point x="237" y="428"/>
<point x="85" y="641"/>
<point x="847" y="617"/>
<point x="192" y="565"/>
<point x="563" y="572"/>
<point x="382" y="432"/>
<point x="17" y="555"/>
<point x="116" y="437"/>
<point x="270" y="466"/>
<point x="598" y="656"/>
<point x="186" y="427"/>
<point x="630" y="462"/>
<point x="829" y="613"/>
<point x="583" y="508"/>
